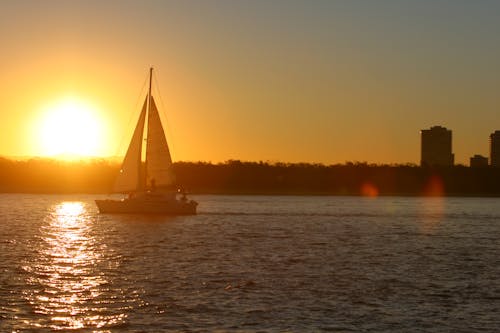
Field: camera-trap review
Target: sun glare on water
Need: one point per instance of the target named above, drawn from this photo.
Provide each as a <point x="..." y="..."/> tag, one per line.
<point x="70" y="129"/>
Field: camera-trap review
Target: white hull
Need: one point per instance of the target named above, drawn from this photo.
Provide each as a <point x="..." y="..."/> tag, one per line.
<point x="148" y="204"/>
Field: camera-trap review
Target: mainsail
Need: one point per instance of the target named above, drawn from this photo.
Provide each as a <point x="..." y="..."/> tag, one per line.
<point x="158" y="160"/>
<point x="129" y="179"/>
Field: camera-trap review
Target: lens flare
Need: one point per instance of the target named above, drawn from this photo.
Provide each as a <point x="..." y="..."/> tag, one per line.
<point x="369" y="190"/>
<point x="434" y="187"/>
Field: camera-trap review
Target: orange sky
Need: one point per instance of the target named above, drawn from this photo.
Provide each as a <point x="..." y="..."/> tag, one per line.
<point x="286" y="81"/>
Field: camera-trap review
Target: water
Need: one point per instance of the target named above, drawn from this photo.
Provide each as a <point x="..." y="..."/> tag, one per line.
<point x="252" y="264"/>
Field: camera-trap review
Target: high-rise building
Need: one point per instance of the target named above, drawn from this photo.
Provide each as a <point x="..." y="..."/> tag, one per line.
<point x="478" y="161"/>
<point x="495" y="149"/>
<point x="436" y="147"/>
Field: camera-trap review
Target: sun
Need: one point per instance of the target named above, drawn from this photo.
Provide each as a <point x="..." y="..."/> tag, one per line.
<point x="70" y="128"/>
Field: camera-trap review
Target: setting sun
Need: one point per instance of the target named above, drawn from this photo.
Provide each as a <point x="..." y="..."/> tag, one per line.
<point x="70" y="128"/>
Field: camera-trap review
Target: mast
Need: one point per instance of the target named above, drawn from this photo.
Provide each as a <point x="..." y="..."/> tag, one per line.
<point x="150" y="79"/>
<point x="148" y="110"/>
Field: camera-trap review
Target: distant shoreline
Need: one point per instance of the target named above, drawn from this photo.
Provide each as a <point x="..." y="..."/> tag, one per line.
<point x="277" y="194"/>
<point x="45" y="176"/>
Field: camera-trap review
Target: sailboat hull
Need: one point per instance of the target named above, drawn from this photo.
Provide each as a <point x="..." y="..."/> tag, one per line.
<point x="147" y="206"/>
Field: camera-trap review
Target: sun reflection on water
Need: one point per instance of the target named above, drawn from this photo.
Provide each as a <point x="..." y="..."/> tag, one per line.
<point x="67" y="284"/>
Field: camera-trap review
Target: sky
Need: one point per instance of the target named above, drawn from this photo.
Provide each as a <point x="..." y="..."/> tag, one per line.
<point x="290" y="81"/>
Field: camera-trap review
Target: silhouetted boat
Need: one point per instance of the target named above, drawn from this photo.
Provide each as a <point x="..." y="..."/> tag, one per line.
<point x="150" y="189"/>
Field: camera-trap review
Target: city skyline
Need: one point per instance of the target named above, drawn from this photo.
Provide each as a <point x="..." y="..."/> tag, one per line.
<point x="495" y="149"/>
<point x="436" y="147"/>
<point x="326" y="82"/>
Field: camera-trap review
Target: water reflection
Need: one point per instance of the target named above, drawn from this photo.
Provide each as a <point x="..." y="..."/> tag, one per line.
<point x="66" y="281"/>
<point x="431" y="214"/>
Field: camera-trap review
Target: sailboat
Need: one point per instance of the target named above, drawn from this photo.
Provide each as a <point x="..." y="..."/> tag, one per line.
<point x="149" y="185"/>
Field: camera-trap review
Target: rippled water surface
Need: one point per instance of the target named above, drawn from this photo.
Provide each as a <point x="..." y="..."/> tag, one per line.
<point x="252" y="263"/>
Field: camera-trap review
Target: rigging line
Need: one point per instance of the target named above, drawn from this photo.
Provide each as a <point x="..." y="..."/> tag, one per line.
<point x="161" y="112"/>
<point x="131" y="119"/>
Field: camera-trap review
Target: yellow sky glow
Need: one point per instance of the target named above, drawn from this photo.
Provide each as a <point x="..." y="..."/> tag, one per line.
<point x="325" y="82"/>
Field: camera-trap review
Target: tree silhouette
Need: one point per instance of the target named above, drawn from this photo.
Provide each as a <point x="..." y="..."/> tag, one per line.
<point x="238" y="177"/>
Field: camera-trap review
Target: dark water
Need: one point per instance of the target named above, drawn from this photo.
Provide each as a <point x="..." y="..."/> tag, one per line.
<point x="252" y="264"/>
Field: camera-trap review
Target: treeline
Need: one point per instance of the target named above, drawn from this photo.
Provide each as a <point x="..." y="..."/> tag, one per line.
<point x="55" y="176"/>
<point x="237" y="177"/>
<point x="342" y="179"/>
